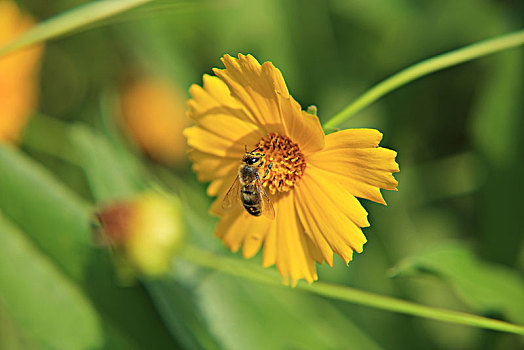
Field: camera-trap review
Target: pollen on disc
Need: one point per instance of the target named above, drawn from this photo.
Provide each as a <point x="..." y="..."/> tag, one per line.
<point x="288" y="162"/>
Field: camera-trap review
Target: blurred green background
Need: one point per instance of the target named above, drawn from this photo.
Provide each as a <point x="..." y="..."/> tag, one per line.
<point x="451" y="236"/>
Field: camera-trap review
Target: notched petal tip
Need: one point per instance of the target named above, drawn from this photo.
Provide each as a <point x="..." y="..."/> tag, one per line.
<point x="236" y="63"/>
<point x="354" y="138"/>
<point x="226" y="58"/>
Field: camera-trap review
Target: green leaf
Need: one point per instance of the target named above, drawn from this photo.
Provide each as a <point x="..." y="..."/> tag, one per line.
<point x="52" y="311"/>
<point x="247" y="315"/>
<point x="178" y="307"/>
<point x="56" y="219"/>
<point x="69" y="21"/>
<point x="11" y="335"/>
<point x="486" y="287"/>
<point x="59" y="223"/>
<point x="110" y="174"/>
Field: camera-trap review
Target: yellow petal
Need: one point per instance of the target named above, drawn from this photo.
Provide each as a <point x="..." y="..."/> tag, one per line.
<point x="345" y="201"/>
<point x="231" y="128"/>
<point x="237" y="226"/>
<point x="314" y="250"/>
<point x="223" y="128"/>
<point x="221" y="171"/>
<point x="301" y="127"/>
<point x="253" y="240"/>
<point x="287" y="245"/>
<point x="372" y="165"/>
<point x="263" y="92"/>
<point x="210" y="167"/>
<point x="326" y="219"/>
<point x="211" y="143"/>
<point x="357" y="163"/>
<point x="214" y="94"/>
<point x="270" y="247"/>
<point x="256" y="91"/>
<point x="219" y="188"/>
<point x="353" y="138"/>
<point x="213" y="108"/>
<point x="315" y="234"/>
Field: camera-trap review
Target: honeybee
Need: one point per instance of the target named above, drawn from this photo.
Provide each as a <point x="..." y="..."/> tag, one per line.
<point x="248" y="188"/>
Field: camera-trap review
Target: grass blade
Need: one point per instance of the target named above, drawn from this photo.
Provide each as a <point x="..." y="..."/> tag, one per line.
<point x="71" y="20"/>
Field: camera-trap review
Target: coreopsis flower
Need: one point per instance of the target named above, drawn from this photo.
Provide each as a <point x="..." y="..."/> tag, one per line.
<point x="153" y="113"/>
<point x="312" y="179"/>
<point x="18" y="74"/>
<point x="145" y="232"/>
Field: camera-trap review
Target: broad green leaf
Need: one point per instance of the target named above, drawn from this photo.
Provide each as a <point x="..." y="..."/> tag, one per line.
<point x="177" y="305"/>
<point x="486" y="287"/>
<point x="110" y="174"/>
<point x="69" y="21"/>
<point x="12" y="337"/>
<point x="247" y="315"/>
<point x="56" y="219"/>
<point x="59" y="223"/>
<point x="52" y="311"/>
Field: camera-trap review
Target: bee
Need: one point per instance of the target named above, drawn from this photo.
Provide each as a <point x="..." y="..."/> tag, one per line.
<point x="248" y="188"/>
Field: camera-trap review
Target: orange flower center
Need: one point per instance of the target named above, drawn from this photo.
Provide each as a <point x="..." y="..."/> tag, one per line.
<point x="287" y="159"/>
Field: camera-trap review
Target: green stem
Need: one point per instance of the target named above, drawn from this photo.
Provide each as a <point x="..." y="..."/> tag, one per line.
<point x="426" y="67"/>
<point x="69" y="21"/>
<point x="234" y="267"/>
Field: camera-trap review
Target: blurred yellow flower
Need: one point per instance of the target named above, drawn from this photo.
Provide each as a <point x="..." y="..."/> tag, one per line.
<point x="18" y="74"/>
<point x="154" y="114"/>
<point x="314" y="178"/>
<point x="145" y="231"/>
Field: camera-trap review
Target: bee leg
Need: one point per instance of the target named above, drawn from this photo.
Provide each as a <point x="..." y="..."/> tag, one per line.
<point x="268" y="168"/>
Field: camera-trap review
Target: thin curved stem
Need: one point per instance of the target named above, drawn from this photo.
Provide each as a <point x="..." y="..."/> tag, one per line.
<point x="69" y="21"/>
<point x="245" y="270"/>
<point x="426" y="67"/>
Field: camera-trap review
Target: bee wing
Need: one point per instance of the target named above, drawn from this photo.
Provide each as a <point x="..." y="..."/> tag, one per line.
<point x="267" y="206"/>
<point x="232" y="196"/>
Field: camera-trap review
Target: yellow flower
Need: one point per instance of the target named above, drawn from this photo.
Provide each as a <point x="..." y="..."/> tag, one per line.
<point x="314" y="178"/>
<point x="18" y="74"/>
<point x="153" y="113"/>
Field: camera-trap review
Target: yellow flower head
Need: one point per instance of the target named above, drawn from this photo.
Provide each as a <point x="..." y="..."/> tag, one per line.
<point x="18" y="74"/>
<point x="153" y="113"/>
<point x="313" y="180"/>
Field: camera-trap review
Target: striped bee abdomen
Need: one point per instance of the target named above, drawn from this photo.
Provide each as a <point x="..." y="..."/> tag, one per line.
<point x="251" y="200"/>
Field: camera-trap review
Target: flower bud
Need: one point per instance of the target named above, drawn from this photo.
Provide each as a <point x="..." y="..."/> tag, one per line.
<point x="145" y="232"/>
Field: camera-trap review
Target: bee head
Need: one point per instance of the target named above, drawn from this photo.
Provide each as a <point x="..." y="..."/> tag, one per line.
<point x="251" y="159"/>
